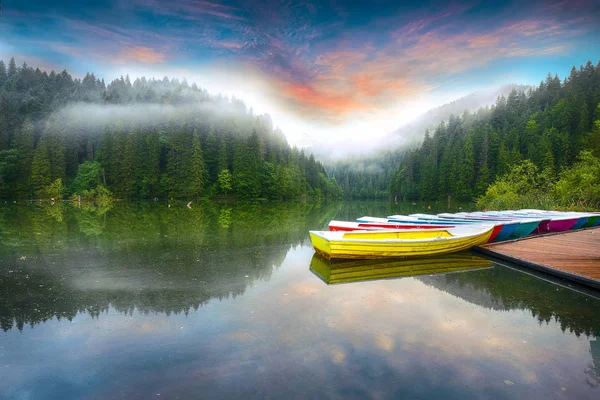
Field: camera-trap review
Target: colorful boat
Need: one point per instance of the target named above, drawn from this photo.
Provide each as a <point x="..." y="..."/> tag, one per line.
<point x="579" y="222"/>
<point x="525" y="228"/>
<point x="346" y="271"/>
<point x="502" y="229"/>
<point x="542" y="227"/>
<point x="586" y="220"/>
<point x="556" y="224"/>
<point x="405" y="219"/>
<point x="373" y="226"/>
<point x="403" y="243"/>
<point x="593" y="220"/>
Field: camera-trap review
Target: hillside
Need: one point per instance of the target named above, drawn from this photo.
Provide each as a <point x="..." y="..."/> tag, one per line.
<point x="412" y="134"/>
<point x="549" y="125"/>
<point x="148" y="138"/>
<point x="368" y="175"/>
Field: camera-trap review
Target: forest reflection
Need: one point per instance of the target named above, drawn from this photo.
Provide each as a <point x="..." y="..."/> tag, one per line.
<point x="477" y="281"/>
<point x="58" y="261"/>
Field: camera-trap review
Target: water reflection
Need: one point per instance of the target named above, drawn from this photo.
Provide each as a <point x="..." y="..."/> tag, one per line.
<point x="59" y="261"/>
<point x="56" y="262"/>
<point x="593" y="371"/>
<point x="509" y="289"/>
<point x="365" y="270"/>
<point x="218" y="302"/>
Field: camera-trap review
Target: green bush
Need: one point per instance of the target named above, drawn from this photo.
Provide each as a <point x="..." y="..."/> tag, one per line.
<point x="580" y="184"/>
<point x="525" y="187"/>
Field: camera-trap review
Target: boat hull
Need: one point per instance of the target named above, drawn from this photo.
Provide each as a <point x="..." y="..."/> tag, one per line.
<point x="524" y="229"/>
<point x="592" y="221"/>
<point x="364" y="248"/>
<point x="543" y="227"/>
<point x="553" y="224"/>
<point x="580" y="223"/>
<point x="506" y="231"/>
<point x="561" y="225"/>
<point x="495" y="232"/>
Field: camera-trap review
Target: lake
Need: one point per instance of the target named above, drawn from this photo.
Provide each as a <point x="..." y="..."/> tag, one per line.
<point x="226" y="300"/>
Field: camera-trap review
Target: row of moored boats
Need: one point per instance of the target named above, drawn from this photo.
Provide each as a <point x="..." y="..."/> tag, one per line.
<point x="420" y="235"/>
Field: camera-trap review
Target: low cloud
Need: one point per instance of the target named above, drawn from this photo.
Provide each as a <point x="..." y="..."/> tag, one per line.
<point x="315" y="64"/>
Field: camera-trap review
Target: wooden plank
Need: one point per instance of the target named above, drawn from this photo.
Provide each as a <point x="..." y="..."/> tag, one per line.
<point x="572" y="255"/>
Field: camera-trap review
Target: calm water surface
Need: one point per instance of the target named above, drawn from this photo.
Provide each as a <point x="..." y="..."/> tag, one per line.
<point x="226" y="300"/>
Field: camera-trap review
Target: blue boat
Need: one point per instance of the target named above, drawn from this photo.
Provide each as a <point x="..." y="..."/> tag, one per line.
<point x="525" y="228"/>
<point x="508" y="226"/>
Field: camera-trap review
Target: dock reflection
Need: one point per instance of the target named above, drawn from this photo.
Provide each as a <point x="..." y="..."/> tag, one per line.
<point x="335" y="272"/>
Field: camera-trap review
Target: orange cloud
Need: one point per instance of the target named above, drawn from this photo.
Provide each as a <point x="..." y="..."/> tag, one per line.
<point x="143" y="54"/>
<point x="336" y="83"/>
<point x="334" y="103"/>
<point x="351" y="81"/>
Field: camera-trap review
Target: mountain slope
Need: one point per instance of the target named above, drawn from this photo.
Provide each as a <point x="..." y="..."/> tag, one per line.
<point x="549" y="126"/>
<point x="368" y="174"/>
<point x="148" y="138"/>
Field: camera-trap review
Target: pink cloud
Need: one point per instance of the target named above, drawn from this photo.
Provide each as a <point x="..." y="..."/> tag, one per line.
<point x="333" y="103"/>
<point x="319" y="72"/>
<point x="346" y="80"/>
<point x="143" y="55"/>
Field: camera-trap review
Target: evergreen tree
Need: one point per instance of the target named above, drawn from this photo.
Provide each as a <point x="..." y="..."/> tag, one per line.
<point x="4" y="133"/>
<point x="223" y="159"/>
<point x="41" y="170"/>
<point x="8" y="171"/>
<point x="23" y="143"/>
<point x="212" y="156"/>
<point x="592" y="139"/>
<point x="3" y="75"/>
<point x="197" y="167"/>
<point x="225" y="181"/>
<point x="133" y="160"/>
<point x="483" y="180"/>
<point x="123" y="167"/>
<point x="153" y="162"/>
<point x="248" y="168"/>
<point x="466" y="175"/>
<point x="12" y="68"/>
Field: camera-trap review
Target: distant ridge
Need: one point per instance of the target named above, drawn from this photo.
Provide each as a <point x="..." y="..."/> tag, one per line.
<point x="411" y="134"/>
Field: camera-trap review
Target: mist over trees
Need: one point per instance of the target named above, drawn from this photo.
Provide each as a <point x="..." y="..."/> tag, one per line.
<point x="148" y="138"/>
<point x="366" y="171"/>
<point x="550" y="126"/>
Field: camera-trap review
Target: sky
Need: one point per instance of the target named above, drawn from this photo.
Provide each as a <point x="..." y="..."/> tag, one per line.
<point x="325" y="71"/>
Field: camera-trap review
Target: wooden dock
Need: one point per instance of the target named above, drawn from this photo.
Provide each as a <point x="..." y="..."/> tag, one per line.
<point x="573" y="255"/>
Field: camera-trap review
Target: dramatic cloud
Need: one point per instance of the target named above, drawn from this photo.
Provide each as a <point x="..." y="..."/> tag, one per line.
<point x="324" y="64"/>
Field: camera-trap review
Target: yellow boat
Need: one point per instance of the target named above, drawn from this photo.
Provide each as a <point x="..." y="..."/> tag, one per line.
<point x="332" y="272"/>
<point x="403" y="243"/>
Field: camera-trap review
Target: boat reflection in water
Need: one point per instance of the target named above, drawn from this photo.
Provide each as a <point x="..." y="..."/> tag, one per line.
<point x="334" y="272"/>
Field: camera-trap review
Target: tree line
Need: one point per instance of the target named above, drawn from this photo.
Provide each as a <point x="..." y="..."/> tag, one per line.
<point x="368" y="175"/>
<point x="549" y="126"/>
<point x="366" y="178"/>
<point x="149" y="138"/>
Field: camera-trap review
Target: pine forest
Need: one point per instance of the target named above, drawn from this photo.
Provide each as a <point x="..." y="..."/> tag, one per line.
<point x="62" y="137"/>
